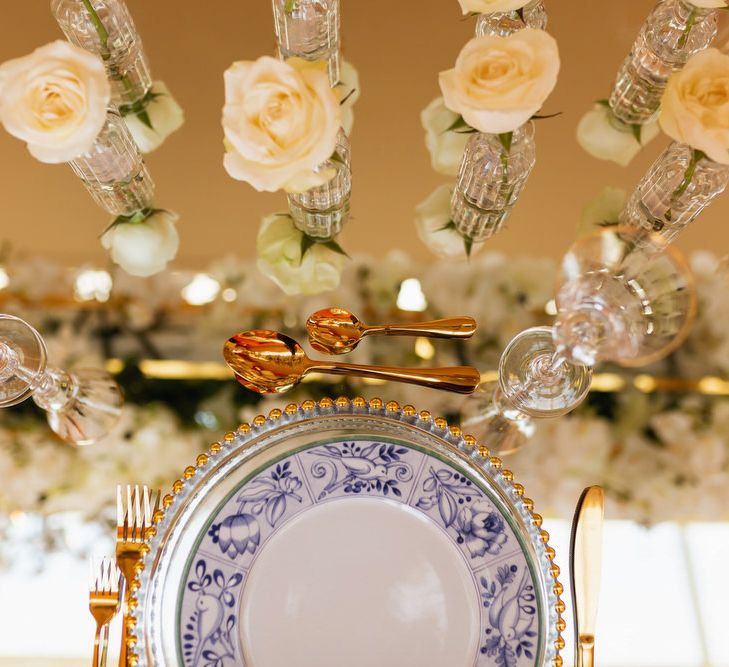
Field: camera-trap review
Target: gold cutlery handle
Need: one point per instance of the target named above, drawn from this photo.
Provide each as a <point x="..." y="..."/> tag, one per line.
<point x="452" y="327"/>
<point x="459" y="379"/>
<point x="586" y="651"/>
<point x="105" y="646"/>
<point x="97" y="641"/>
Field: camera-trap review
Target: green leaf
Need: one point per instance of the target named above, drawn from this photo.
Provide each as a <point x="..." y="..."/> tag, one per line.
<point x="144" y="117"/>
<point x="336" y="157"/>
<point x="458" y="124"/>
<point x="604" y="103"/>
<point x="333" y="245"/>
<point x="348" y="95"/>
<point x="520" y="14"/>
<point x="449" y="225"/>
<point x="506" y="138"/>
<point x="468" y="245"/>
<point x="290" y="6"/>
<point x="306" y="243"/>
<point x="636" y="129"/>
<point x="545" y="116"/>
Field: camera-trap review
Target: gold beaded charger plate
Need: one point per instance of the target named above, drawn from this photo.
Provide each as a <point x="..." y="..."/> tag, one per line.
<point x="348" y="532"/>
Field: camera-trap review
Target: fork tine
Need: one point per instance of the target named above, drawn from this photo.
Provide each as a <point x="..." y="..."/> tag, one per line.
<point x="119" y="507"/>
<point x="147" y="510"/>
<point x="137" y="512"/>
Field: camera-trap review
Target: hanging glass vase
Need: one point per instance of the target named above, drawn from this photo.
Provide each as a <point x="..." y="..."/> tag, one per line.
<point x="532" y="15"/>
<point x="106" y="28"/>
<point x="321" y="212"/>
<point x="678" y="186"/>
<point x="493" y="173"/>
<point x="309" y="29"/>
<point x="113" y="170"/>
<point x="672" y="33"/>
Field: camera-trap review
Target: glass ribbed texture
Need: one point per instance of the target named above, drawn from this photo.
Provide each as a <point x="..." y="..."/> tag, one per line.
<point x="122" y="52"/>
<point x="671" y="34"/>
<point x="113" y="171"/>
<point x="668" y="198"/>
<point x="322" y="211"/>
<point x="309" y="30"/>
<point x="505" y="23"/>
<point x="490" y="181"/>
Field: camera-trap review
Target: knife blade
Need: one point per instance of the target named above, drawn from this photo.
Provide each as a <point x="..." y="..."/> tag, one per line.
<point x="585" y="571"/>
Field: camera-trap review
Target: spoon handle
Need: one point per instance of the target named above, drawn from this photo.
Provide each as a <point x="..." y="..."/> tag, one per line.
<point x="459" y="379"/>
<point x="452" y="327"/>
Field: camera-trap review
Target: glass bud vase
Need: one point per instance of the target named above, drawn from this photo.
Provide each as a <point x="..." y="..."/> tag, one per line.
<point x="676" y="188"/>
<point x="671" y="34"/>
<point x="503" y="24"/>
<point x="309" y="29"/>
<point x="490" y="181"/>
<point x="321" y="212"/>
<point x="106" y="28"/>
<point x="113" y="170"/>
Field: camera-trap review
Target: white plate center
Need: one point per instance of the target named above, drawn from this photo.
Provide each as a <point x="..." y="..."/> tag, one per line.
<point x="361" y="582"/>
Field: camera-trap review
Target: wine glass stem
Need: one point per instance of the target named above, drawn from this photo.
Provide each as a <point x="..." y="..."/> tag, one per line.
<point x="10" y="366"/>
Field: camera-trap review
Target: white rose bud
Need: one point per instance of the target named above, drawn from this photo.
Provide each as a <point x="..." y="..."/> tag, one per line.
<point x="432" y="222"/>
<point x="602" y="211"/>
<point x="143" y="248"/>
<point x="281" y="121"/>
<point x="446" y="148"/>
<point x="490" y="6"/>
<point x="605" y="137"/>
<point x="279" y="258"/>
<point x="348" y="87"/>
<point x="499" y="83"/>
<point x="695" y="104"/>
<point x="161" y="116"/>
<point x="55" y="100"/>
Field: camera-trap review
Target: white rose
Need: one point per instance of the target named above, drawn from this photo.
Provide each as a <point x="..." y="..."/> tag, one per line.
<point x="490" y="6"/>
<point x="348" y="87"/>
<point x="499" y="83"/>
<point x="279" y="258"/>
<point x="695" y="105"/>
<point x="280" y="121"/>
<point x="445" y="148"/>
<point x="601" y="134"/>
<point x="144" y="248"/>
<point x="55" y="100"/>
<point x="604" y="209"/>
<point x="708" y="4"/>
<point x="432" y="218"/>
<point x="160" y="118"/>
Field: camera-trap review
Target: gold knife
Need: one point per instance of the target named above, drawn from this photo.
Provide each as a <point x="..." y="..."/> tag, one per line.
<point x="585" y="570"/>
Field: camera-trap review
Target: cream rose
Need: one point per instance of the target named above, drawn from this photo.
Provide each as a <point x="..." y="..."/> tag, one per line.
<point x="695" y="105"/>
<point x="280" y="121"/>
<point x="55" y="100"/>
<point x="490" y="6"/>
<point x="434" y="227"/>
<point x="279" y="258"/>
<point x="605" y="137"/>
<point x="499" y="83"/>
<point x="348" y="88"/>
<point x="143" y="247"/>
<point x="161" y="116"/>
<point x="708" y="4"/>
<point x="445" y="148"/>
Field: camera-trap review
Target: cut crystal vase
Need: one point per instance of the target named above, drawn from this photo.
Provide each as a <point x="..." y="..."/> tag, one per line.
<point x="321" y="212"/>
<point x="672" y="33"/>
<point x="503" y="24"/>
<point x="309" y="29"/>
<point x="490" y="181"/>
<point x="676" y="188"/>
<point x="106" y="28"/>
<point x="114" y="171"/>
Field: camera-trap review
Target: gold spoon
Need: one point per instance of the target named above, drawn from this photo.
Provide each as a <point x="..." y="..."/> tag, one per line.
<point x="336" y="331"/>
<point x="269" y="362"/>
<point x="585" y="569"/>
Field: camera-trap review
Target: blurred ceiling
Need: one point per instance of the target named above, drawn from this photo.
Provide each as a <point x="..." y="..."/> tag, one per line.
<point x="398" y="48"/>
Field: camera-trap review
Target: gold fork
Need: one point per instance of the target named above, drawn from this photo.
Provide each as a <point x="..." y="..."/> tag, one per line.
<point x="104" y="604"/>
<point x="133" y="520"/>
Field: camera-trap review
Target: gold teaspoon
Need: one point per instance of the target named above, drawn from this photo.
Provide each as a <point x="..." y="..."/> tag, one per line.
<point x="585" y="570"/>
<point x="269" y="362"/>
<point x="336" y="331"/>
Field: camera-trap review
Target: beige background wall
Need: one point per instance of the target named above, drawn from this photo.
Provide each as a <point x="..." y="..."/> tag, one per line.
<point x="398" y="46"/>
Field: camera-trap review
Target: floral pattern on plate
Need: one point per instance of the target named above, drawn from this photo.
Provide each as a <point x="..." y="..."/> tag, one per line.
<point x="218" y="567"/>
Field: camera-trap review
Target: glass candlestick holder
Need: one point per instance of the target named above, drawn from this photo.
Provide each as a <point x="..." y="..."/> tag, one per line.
<point x="672" y="33"/>
<point x="622" y="302"/>
<point x="503" y="24"/>
<point x="309" y="29"/>
<point x="679" y="185"/>
<point x="81" y="407"/>
<point x="106" y="28"/>
<point x="113" y="170"/>
<point x="490" y="180"/>
<point x="321" y="212"/>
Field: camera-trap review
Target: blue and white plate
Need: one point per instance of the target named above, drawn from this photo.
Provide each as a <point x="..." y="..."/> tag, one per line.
<point x="347" y="535"/>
